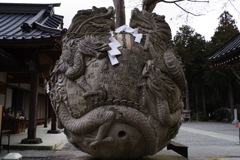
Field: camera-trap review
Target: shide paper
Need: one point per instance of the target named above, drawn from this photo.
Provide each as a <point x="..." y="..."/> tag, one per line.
<point x="114" y="44"/>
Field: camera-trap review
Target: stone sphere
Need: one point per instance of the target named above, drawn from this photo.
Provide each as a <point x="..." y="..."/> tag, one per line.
<point x="122" y="106"/>
<point x="126" y="142"/>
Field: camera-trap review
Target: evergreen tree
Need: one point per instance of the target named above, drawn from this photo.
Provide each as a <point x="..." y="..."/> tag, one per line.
<point x="225" y="31"/>
<point x="191" y="47"/>
<point x="219" y="80"/>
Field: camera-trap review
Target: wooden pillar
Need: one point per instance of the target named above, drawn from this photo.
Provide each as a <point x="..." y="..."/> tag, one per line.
<point x="230" y="94"/>
<point x="187" y="98"/>
<point x="1" y="117"/>
<point x="46" y="111"/>
<point x="32" y="121"/>
<point x="53" y="123"/>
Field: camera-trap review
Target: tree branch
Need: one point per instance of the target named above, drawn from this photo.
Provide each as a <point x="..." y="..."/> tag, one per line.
<point x="120" y="12"/>
<point x="149" y="5"/>
<point x="174" y="1"/>
<point x="188" y="11"/>
<point x="234" y="6"/>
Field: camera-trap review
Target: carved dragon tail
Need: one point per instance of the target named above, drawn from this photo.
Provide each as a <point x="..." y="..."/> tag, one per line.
<point x="87" y="122"/>
<point x="166" y="118"/>
<point x="175" y="68"/>
<point x="100" y="115"/>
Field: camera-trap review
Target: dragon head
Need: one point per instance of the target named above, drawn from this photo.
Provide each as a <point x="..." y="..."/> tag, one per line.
<point x="150" y="23"/>
<point x="91" y="22"/>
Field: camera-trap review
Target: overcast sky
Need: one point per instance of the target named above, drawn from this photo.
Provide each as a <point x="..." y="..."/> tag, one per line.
<point x="205" y="25"/>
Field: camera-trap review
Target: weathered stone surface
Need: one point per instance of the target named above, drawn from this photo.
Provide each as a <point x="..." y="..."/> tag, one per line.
<point x="122" y="111"/>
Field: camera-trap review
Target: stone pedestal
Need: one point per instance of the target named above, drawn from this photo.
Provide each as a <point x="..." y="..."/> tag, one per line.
<point x="165" y="155"/>
<point x="235" y="117"/>
<point x="162" y="155"/>
<point x="32" y="141"/>
<point x="53" y="131"/>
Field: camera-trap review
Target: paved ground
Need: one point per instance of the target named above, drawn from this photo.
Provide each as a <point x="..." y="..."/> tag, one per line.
<point x="210" y="140"/>
<point x="206" y="141"/>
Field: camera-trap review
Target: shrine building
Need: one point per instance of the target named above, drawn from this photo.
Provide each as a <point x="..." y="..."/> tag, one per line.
<point x="228" y="55"/>
<point x="30" y="44"/>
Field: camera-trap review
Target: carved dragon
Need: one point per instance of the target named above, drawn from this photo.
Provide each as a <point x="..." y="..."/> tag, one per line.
<point x="101" y="117"/>
<point x="156" y="30"/>
<point x="80" y="42"/>
<point x="163" y="76"/>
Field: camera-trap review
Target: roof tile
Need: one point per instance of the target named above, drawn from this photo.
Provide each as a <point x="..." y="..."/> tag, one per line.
<point x="10" y="24"/>
<point x="227" y="49"/>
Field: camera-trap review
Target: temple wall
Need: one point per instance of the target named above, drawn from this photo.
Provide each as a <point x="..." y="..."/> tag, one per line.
<point x="6" y="95"/>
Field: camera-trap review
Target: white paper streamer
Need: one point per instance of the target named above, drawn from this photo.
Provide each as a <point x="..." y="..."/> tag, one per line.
<point x="114" y="50"/>
<point x="115" y="44"/>
<point x="134" y="32"/>
<point x="113" y="59"/>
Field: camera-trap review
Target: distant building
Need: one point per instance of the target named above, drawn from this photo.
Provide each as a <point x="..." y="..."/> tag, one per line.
<point x="30" y="44"/>
<point x="228" y="55"/>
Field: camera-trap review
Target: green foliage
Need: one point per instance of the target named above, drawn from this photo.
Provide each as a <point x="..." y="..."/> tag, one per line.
<point x="226" y="30"/>
<point x="194" y="117"/>
<point x="202" y="81"/>
<point x="222" y="114"/>
<point x="217" y="80"/>
<point x="200" y="117"/>
<point x="191" y="47"/>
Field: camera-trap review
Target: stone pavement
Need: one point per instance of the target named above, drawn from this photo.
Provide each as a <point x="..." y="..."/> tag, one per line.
<point x="210" y="140"/>
<point x="50" y="141"/>
<point x="206" y="141"/>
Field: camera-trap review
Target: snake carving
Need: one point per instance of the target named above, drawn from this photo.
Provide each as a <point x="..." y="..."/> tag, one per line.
<point x="122" y="111"/>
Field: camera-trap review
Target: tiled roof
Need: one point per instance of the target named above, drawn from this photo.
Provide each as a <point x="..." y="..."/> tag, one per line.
<point x="29" y="21"/>
<point x="232" y="46"/>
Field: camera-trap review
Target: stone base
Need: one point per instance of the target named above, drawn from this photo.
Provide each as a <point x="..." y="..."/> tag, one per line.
<point x="235" y="121"/>
<point x="165" y="155"/>
<point x="32" y="141"/>
<point x="53" y="131"/>
<point x="162" y="155"/>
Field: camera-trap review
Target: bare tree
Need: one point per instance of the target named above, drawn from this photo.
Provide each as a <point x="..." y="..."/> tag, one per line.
<point x="147" y="5"/>
<point x="120" y="12"/>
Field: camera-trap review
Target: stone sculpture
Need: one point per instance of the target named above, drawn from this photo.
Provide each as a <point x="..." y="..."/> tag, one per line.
<point x="122" y="111"/>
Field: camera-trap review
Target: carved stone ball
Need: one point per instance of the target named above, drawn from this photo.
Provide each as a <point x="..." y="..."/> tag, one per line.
<point x="126" y="143"/>
<point x="124" y="110"/>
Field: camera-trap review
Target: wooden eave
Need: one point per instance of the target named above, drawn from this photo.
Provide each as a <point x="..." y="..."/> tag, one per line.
<point x="232" y="60"/>
<point x="25" y="7"/>
<point x="30" y="43"/>
<point x="226" y="56"/>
